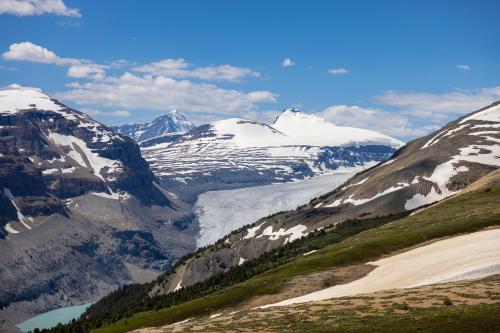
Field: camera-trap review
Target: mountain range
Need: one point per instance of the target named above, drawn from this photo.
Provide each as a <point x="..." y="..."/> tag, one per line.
<point x="236" y="152"/>
<point x="420" y="173"/>
<point x="77" y="196"/>
<point x="426" y="216"/>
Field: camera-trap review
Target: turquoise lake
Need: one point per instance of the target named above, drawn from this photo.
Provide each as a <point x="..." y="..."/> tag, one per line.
<point x="54" y="317"/>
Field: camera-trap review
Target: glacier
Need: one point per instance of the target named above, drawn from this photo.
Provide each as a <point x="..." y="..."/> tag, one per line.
<point x="220" y="212"/>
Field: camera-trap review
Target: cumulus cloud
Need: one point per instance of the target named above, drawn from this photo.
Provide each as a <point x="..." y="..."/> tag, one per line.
<point x="287" y="62"/>
<point x="130" y="91"/>
<point x="455" y="102"/>
<point x="93" y="71"/>
<point x="389" y="123"/>
<point x="37" y="7"/>
<point x="166" y="84"/>
<point x="179" y="68"/>
<point x="337" y="71"/>
<point x="464" y="67"/>
<point x="79" y="68"/>
<point x="27" y="51"/>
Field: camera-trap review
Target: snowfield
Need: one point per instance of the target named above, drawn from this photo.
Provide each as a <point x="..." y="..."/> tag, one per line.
<point x="220" y="212"/>
<point x="15" y="98"/>
<point x="297" y="145"/>
<point x="470" y="256"/>
<point x="294" y="128"/>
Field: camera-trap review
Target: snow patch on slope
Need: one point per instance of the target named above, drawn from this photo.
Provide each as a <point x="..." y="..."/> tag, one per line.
<point x="83" y="155"/>
<point x="490" y="114"/>
<point x="443" y="173"/>
<point x="470" y="256"/>
<point x="21" y="218"/>
<point x="357" y="202"/>
<point x="295" y="232"/>
<point x="179" y="286"/>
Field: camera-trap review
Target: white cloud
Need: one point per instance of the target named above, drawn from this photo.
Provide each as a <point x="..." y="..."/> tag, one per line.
<point x="37" y="7"/>
<point x="155" y="86"/>
<point x="337" y="71"/>
<point x="287" y="62"/>
<point x="79" y="68"/>
<point x="93" y="71"/>
<point x="464" y="67"/>
<point x="27" y="51"/>
<point x="179" y="68"/>
<point x="130" y="91"/>
<point x="455" y="102"/>
<point x="374" y="119"/>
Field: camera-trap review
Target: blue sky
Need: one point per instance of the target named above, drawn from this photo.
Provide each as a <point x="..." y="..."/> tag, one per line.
<point x="400" y="67"/>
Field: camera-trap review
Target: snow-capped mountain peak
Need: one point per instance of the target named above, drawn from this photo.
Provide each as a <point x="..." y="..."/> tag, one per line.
<point x="239" y="151"/>
<point x="170" y="123"/>
<point x="15" y="98"/>
<point x="310" y="129"/>
<point x="295" y="115"/>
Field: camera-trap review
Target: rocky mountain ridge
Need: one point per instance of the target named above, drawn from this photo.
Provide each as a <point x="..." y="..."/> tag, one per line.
<point x="75" y="195"/>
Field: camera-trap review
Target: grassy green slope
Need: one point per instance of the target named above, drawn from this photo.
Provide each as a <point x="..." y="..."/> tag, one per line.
<point x="464" y="213"/>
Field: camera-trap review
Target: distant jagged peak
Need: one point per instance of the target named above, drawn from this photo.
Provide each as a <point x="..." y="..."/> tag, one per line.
<point x="172" y="115"/>
<point x="166" y="124"/>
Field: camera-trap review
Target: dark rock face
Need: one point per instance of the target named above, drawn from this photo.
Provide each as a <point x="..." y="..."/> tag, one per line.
<point x="424" y="171"/>
<point x="78" y="209"/>
<point x="28" y="152"/>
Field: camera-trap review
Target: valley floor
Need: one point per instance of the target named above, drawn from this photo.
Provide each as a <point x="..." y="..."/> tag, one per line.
<point x="463" y="306"/>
